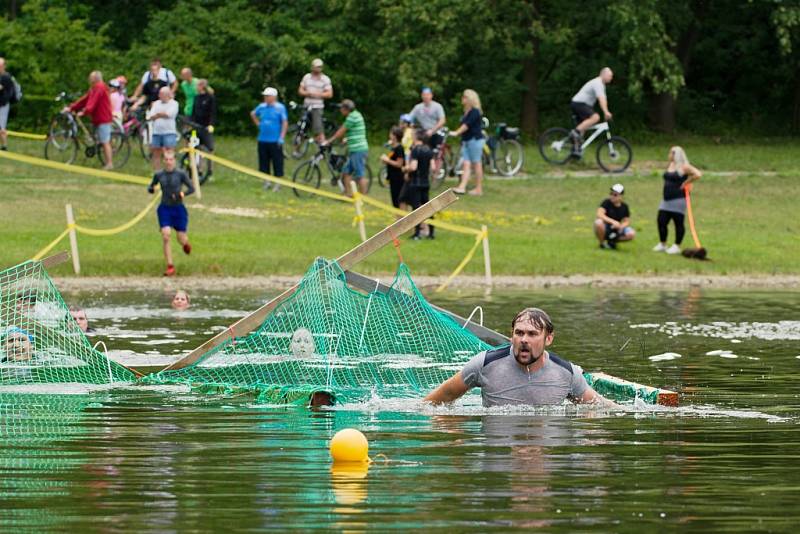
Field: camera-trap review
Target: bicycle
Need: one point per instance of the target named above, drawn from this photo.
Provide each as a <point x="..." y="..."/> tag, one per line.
<point x="187" y="127"/>
<point x="137" y="127"/>
<point x="299" y="133"/>
<point x="67" y="132"/>
<point x="502" y="152"/>
<point x="614" y="154"/>
<point x="309" y="173"/>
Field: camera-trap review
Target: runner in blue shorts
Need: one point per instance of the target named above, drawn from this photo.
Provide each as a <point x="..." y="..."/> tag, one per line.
<point x="171" y="212"/>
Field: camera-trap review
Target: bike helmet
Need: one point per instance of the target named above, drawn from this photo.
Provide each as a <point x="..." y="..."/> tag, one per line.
<point x="405" y="117"/>
<point x="114" y="83"/>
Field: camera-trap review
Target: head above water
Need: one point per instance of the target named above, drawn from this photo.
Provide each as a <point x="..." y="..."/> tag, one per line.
<point x="531" y="334"/>
<point x="180" y="301"/>
<point x="606" y="75"/>
<point x="79" y="315"/>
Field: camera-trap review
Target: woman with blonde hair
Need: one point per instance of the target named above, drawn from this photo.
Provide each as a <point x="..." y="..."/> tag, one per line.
<point x="472" y="140"/>
<point x="677" y="178"/>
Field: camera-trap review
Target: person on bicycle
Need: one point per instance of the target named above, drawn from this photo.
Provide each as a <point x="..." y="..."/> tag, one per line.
<point x="163" y="113"/>
<point x="7" y="91"/>
<point x="97" y="103"/>
<point x="582" y="105"/>
<point x="153" y="80"/>
<point x="355" y="129"/>
<point x="316" y="87"/>
<point x="417" y="190"/>
<point x="189" y="90"/>
<point x="204" y="113"/>
<point x="472" y="141"/>
<point x="272" y="120"/>
<point x="613" y="223"/>
<point x="171" y="212"/>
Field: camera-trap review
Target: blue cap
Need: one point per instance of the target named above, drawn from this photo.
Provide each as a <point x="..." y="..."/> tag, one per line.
<point x="405" y="117"/>
<point x="427" y="90"/>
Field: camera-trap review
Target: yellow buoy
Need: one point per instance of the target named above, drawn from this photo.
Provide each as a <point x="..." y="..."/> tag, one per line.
<point x="349" y="445"/>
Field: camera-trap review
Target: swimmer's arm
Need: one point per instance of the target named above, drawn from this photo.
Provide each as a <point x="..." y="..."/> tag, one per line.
<point x="590" y="396"/>
<point x="452" y="389"/>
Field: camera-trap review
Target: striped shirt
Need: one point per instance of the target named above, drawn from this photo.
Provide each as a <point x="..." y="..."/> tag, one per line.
<point x="356" y="132"/>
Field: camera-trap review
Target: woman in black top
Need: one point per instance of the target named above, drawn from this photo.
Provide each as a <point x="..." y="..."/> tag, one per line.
<point x="677" y="178"/>
<point x="394" y="162"/>
<point x="472" y="140"/>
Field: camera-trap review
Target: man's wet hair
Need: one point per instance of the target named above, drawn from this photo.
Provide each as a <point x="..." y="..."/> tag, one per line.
<point x="538" y="317"/>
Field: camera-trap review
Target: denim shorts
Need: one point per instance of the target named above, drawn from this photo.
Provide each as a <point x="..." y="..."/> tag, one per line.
<point x="103" y="132"/>
<point x="4" y="116"/>
<point x="472" y="150"/>
<point x="164" y="140"/>
<point x="355" y="164"/>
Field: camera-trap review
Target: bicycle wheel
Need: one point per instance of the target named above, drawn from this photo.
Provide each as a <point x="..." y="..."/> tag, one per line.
<point x="203" y="165"/>
<point x="307" y="174"/>
<point x="383" y="177"/>
<point x="299" y="142"/>
<point x="61" y="144"/>
<point x="144" y="137"/>
<point x="509" y="157"/>
<point x="614" y="154"/>
<point x="368" y="176"/>
<point x="555" y="146"/>
<point x="488" y="159"/>
<point x="437" y="178"/>
<point x="120" y="149"/>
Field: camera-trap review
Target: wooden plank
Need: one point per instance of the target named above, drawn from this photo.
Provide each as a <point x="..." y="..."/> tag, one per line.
<point x="55" y="259"/>
<point x="249" y="323"/>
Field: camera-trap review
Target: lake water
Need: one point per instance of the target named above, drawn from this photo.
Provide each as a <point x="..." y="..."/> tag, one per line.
<point x="165" y="459"/>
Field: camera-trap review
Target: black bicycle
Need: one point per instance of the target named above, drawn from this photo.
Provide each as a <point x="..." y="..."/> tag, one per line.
<point x="309" y="173"/>
<point x="299" y="133"/>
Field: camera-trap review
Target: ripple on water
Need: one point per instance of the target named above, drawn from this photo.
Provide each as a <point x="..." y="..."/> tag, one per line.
<point x="781" y="330"/>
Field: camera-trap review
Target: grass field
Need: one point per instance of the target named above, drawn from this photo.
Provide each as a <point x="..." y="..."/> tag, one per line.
<point x="746" y="207"/>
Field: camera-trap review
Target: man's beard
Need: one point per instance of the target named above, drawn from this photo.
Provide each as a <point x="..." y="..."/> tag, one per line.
<point x="530" y="356"/>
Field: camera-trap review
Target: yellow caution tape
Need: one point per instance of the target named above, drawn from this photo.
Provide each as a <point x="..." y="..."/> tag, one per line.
<point x="25" y="135"/>
<point x="75" y="169"/>
<point x="121" y="228"/>
<point x="41" y="254"/>
<point x="478" y="240"/>
<point x="358" y="218"/>
<point x="438" y="223"/>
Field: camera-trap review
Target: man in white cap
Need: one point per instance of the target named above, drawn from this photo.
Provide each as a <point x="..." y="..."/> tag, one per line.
<point x="316" y="87"/>
<point x="272" y="121"/>
<point x="613" y="223"/>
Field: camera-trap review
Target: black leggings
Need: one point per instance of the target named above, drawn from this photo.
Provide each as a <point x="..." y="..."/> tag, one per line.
<point x="663" y="220"/>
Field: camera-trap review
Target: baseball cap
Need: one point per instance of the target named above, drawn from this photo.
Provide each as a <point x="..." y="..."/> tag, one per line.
<point x="347" y="104"/>
<point x="618" y="188"/>
<point x="427" y="90"/>
<point x="270" y="91"/>
<point x="405" y="117"/>
<point x="317" y="62"/>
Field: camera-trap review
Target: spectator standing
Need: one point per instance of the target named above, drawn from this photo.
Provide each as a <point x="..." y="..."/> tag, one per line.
<point x="204" y="113"/>
<point x="418" y="188"/>
<point x="97" y="103"/>
<point x="7" y="95"/>
<point x="355" y="129"/>
<point x="165" y="132"/>
<point x="189" y="90"/>
<point x="272" y="120"/>
<point x="152" y="82"/>
<point x="117" y="100"/>
<point x="171" y="212"/>
<point x="678" y="177"/>
<point x="613" y="221"/>
<point x="429" y="115"/>
<point x="472" y="140"/>
<point x="395" y="161"/>
<point x="316" y="87"/>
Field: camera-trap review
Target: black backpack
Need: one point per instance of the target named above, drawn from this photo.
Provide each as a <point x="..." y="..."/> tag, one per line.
<point x="16" y="94"/>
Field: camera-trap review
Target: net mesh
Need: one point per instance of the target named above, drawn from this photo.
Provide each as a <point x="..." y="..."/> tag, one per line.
<point x="39" y="340"/>
<point x="330" y="337"/>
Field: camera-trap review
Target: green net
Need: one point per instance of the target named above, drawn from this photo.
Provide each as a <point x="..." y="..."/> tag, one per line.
<point x="328" y="336"/>
<point x="39" y="340"/>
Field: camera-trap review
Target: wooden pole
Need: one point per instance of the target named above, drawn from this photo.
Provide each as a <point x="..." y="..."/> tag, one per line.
<point x="193" y="142"/>
<point x="73" y="240"/>
<point x="487" y="260"/>
<point x="359" y="206"/>
<point x="247" y="324"/>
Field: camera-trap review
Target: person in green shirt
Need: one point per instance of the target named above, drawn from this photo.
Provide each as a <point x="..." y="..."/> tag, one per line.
<point x="356" y="131"/>
<point x="189" y="88"/>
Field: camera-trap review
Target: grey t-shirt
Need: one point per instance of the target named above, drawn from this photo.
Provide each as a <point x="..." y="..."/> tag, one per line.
<point x="503" y="381"/>
<point x="590" y="91"/>
<point x="427" y="116"/>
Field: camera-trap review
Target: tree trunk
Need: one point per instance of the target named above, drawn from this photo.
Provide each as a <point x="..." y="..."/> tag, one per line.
<point x="13" y="7"/>
<point x="530" y="97"/>
<point x="662" y="112"/>
<point x="796" y="106"/>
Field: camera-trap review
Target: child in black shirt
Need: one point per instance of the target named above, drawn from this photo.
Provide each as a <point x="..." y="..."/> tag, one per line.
<point x="418" y="187"/>
<point x="395" y="161"/>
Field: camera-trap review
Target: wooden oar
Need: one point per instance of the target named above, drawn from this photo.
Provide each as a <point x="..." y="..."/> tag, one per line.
<point x="247" y="324"/>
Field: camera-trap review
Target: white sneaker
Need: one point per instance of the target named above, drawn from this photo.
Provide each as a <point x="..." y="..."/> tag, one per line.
<point x="659" y="248"/>
<point x="674" y="249"/>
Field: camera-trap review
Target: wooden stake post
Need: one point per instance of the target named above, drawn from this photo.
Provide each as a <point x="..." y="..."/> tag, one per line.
<point x="73" y="240"/>
<point x="193" y="143"/>
<point x="247" y="324"/>
<point x="359" y="205"/>
<point x="487" y="260"/>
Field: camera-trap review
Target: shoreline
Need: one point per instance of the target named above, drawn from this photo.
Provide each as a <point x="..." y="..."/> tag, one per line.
<point x="470" y="282"/>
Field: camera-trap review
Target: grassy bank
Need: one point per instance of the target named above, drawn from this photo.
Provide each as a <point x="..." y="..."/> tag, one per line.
<point x="538" y="225"/>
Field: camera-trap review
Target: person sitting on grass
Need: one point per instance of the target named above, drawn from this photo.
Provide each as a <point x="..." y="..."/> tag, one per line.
<point x="171" y="212"/>
<point x="418" y="187"/>
<point x="525" y="373"/>
<point x="180" y="301"/>
<point x="613" y="223"/>
<point x="395" y="161"/>
<point x="678" y="176"/>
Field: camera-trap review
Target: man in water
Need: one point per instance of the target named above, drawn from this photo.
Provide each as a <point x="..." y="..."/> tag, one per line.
<point x="171" y="212"/>
<point x="524" y="373"/>
<point x="79" y="314"/>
